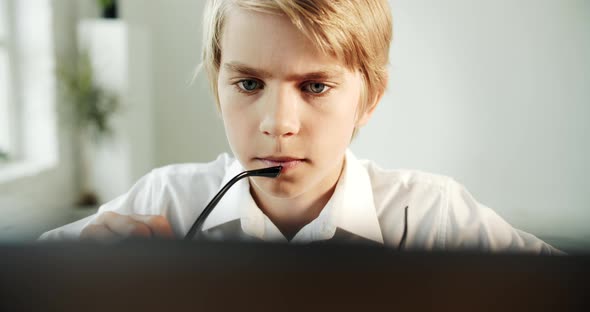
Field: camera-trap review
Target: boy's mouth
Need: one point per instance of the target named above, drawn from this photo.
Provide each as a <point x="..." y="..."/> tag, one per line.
<point x="288" y="163"/>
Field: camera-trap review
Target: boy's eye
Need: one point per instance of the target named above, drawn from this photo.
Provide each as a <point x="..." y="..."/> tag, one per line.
<point x="248" y="85"/>
<point x="316" y="87"/>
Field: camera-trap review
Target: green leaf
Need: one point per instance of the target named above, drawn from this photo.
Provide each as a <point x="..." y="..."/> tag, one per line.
<point x="4" y="155"/>
<point x="88" y="107"/>
<point x="105" y="3"/>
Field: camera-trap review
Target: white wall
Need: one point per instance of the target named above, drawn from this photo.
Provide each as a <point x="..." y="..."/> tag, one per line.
<point x="495" y="94"/>
<point x="186" y="125"/>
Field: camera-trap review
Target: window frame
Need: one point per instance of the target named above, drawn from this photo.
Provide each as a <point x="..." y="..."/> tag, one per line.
<point x="34" y="138"/>
<point x="13" y="106"/>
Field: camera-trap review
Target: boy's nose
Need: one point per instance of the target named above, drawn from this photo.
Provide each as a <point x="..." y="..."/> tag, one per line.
<point x="280" y="117"/>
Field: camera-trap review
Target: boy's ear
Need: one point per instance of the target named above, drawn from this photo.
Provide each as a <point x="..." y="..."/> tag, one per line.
<point x="366" y="115"/>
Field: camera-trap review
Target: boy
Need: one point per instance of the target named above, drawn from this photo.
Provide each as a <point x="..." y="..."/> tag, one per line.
<point x="293" y="81"/>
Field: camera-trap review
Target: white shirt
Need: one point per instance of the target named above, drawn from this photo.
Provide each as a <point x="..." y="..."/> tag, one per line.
<point x="367" y="206"/>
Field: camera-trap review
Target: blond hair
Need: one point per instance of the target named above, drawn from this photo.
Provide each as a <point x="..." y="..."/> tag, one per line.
<point x="358" y="32"/>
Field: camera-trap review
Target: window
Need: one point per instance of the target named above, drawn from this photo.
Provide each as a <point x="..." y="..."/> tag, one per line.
<point x="28" y="124"/>
<point x="6" y="133"/>
<point x="4" y="63"/>
<point x="37" y="182"/>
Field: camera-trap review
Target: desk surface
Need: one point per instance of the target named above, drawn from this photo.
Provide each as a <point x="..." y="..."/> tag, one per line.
<point x="175" y="275"/>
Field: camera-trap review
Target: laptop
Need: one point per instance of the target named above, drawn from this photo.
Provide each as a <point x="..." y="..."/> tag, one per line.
<point x="223" y="276"/>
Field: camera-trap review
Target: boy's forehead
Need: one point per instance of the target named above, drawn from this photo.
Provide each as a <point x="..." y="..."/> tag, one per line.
<point x="320" y="72"/>
<point x="271" y="45"/>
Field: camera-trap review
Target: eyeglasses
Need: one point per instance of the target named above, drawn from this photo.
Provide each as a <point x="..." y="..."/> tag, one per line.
<point x="271" y="172"/>
<point x="402" y="242"/>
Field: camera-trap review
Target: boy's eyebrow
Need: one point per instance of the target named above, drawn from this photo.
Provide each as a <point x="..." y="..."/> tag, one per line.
<point x="324" y="73"/>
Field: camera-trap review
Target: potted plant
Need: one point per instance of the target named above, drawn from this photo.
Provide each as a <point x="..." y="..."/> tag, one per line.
<point x="3" y="156"/>
<point x="88" y="110"/>
<point x="108" y="8"/>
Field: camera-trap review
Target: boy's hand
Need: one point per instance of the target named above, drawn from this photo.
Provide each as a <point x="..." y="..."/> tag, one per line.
<point x="111" y="226"/>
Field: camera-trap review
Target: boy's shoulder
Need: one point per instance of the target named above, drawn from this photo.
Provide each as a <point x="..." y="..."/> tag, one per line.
<point x="188" y="174"/>
<point x="407" y="178"/>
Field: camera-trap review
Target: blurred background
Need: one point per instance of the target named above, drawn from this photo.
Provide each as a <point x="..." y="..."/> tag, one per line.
<point x="496" y="94"/>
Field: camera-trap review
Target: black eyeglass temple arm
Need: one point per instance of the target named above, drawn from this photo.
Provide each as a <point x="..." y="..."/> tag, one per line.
<point x="402" y="242"/>
<point x="271" y="172"/>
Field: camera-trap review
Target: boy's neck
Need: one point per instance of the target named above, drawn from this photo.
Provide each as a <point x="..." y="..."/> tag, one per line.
<point x="291" y="214"/>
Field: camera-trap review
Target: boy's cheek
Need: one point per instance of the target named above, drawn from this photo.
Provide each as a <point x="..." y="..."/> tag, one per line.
<point x="241" y="132"/>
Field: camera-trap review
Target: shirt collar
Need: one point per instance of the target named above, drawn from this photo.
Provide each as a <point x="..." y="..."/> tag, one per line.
<point x="351" y="207"/>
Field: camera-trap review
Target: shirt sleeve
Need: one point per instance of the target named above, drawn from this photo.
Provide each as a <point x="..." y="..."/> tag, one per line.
<point x="139" y="199"/>
<point x="469" y="225"/>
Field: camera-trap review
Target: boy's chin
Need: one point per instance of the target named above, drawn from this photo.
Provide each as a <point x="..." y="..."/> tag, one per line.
<point x="276" y="187"/>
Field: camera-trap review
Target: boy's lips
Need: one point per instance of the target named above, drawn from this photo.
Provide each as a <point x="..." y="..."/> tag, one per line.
<point x="288" y="163"/>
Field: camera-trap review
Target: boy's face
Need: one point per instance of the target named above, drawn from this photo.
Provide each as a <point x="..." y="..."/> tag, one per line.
<point x="282" y="99"/>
